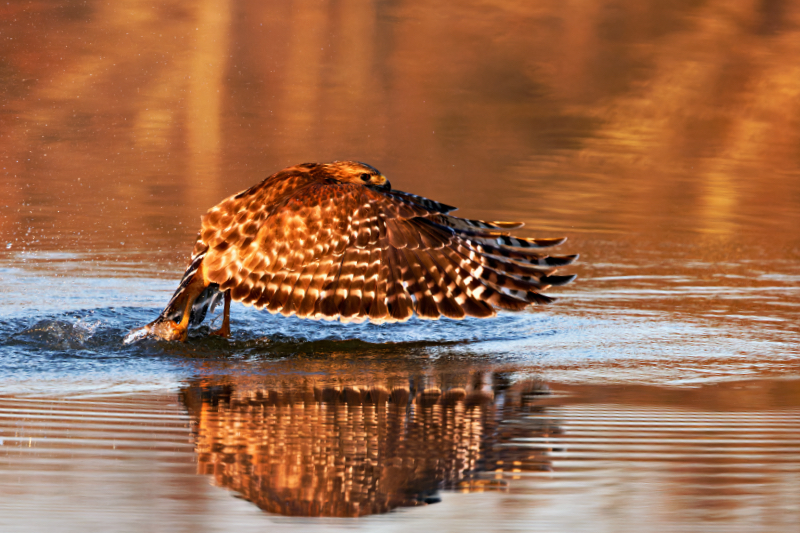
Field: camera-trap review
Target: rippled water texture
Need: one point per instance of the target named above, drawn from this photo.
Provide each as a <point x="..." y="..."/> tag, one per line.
<point x="660" y="392"/>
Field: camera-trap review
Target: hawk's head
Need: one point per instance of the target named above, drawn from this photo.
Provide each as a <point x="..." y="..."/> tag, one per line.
<point x="357" y="172"/>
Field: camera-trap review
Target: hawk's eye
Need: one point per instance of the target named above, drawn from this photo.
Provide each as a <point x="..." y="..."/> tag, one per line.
<point x="365" y="177"/>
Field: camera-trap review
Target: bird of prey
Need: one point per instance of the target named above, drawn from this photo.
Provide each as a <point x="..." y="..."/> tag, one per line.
<point x="335" y="241"/>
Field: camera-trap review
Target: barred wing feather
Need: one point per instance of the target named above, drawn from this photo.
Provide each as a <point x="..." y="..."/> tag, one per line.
<point x="353" y="253"/>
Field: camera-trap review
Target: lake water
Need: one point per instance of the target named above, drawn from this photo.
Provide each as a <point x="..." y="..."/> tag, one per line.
<point x="660" y="392"/>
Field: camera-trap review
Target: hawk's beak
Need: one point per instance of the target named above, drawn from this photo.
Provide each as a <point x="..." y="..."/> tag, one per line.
<point x="383" y="183"/>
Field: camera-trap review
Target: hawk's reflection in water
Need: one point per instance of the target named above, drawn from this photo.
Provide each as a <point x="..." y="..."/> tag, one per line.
<point x="312" y="450"/>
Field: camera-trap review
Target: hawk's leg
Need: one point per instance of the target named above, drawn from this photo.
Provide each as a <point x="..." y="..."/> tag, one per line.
<point x="170" y="330"/>
<point x="225" y="329"/>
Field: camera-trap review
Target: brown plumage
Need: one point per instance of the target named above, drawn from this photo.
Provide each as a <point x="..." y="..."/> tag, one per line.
<point x="334" y="241"/>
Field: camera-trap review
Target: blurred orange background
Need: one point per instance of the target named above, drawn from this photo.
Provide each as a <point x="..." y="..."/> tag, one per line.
<point x="122" y="122"/>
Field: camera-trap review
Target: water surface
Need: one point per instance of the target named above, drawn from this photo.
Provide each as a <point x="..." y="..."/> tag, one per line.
<point x="659" y="392"/>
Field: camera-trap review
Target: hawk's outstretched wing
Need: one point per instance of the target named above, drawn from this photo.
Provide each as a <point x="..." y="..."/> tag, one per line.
<point x="317" y="248"/>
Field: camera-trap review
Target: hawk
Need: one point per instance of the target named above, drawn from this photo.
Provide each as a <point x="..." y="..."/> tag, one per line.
<point x="335" y="241"/>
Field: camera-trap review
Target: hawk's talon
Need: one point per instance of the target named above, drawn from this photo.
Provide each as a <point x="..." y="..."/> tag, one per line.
<point x="168" y="330"/>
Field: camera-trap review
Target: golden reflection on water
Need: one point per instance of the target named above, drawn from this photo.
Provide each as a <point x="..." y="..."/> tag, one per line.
<point x="534" y="456"/>
<point x="304" y="448"/>
<point x="319" y="450"/>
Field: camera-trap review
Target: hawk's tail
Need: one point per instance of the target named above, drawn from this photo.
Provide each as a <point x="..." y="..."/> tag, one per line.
<point x="204" y="303"/>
